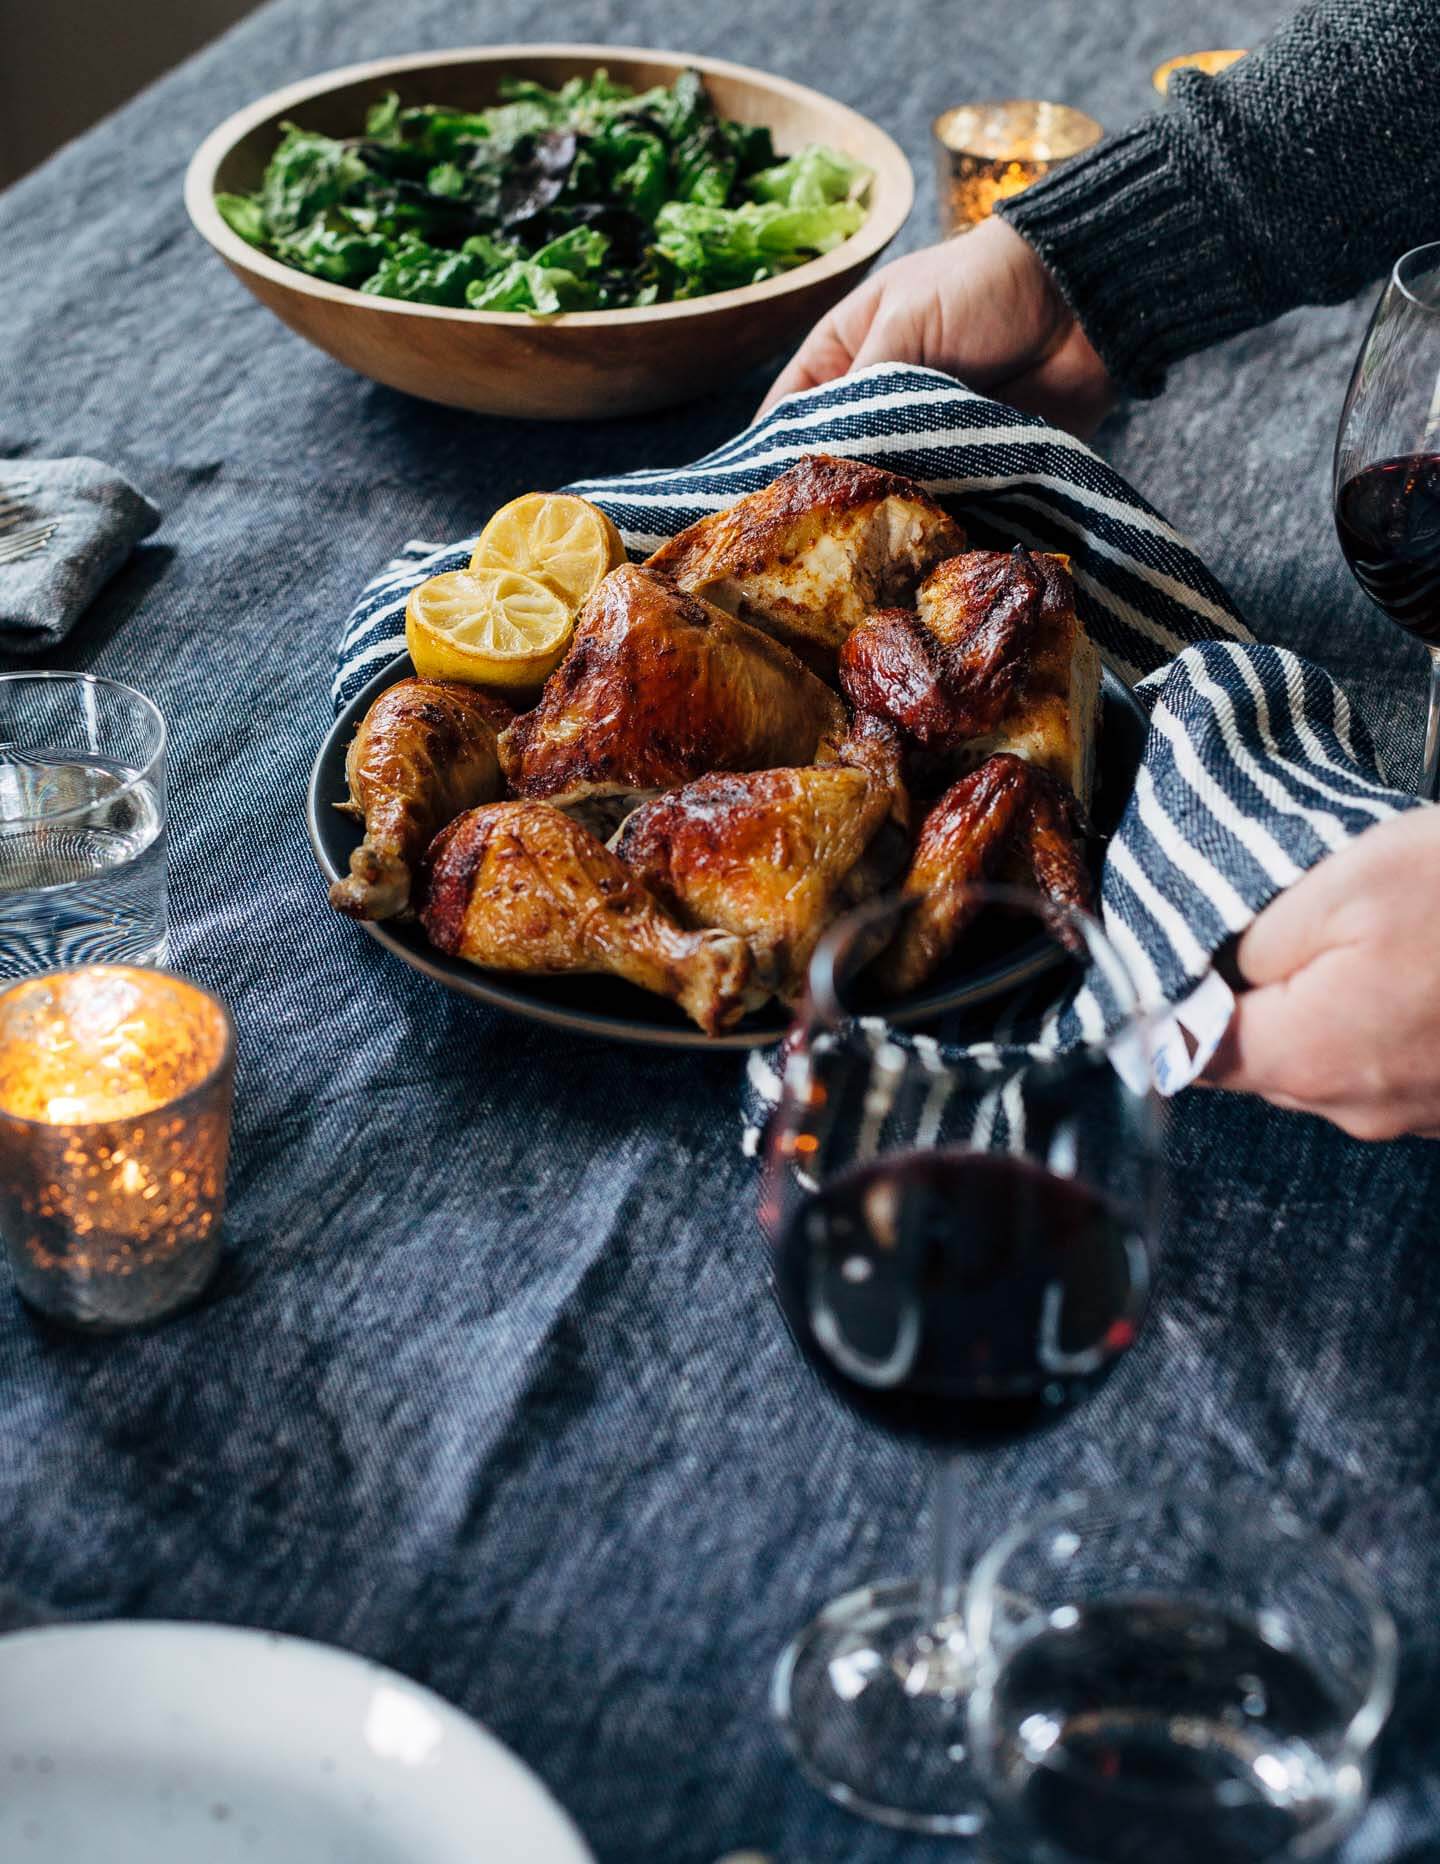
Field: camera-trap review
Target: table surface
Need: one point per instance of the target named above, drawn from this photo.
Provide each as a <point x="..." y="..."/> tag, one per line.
<point x="491" y="1388"/>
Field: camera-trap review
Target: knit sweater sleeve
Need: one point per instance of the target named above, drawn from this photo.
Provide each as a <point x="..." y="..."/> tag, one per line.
<point x="1295" y="177"/>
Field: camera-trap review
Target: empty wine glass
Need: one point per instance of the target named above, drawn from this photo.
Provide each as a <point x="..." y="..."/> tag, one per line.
<point x="1387" y="468"/>
<point x="961" y="1242"/>
<point x="1180" y="1678"/>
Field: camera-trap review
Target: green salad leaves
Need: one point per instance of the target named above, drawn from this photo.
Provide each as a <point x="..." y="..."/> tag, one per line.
<point x="589" y="197"/>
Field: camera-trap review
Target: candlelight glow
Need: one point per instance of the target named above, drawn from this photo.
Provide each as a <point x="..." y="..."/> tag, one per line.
<point x="991" y="150"/>
<point x="1208" y="62"/>
<point x="115" y="1087"/>
<point x="104" y="1044"/>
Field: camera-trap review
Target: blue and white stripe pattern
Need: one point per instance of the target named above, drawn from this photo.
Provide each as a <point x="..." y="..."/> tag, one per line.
<point x="1254" y="768"/>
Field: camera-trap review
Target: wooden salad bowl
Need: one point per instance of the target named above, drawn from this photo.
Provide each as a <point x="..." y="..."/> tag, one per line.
<point x="581" y="364"/>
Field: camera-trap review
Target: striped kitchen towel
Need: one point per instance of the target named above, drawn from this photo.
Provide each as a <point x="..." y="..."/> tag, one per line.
<point x="1254" y="768"/>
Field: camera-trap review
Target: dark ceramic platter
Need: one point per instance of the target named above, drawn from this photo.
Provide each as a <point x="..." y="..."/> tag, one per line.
<point x="619" y="1012"/>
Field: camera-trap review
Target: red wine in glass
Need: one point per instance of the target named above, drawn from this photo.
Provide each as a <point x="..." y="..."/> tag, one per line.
<point x="960" y="1241"/>
<point x="1387" y="468"/>
<point x="965" y="1298"/>
<point x="1388" y="518"/>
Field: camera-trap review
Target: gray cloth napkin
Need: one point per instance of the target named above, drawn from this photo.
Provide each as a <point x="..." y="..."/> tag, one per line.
<point x="99" y="518"/>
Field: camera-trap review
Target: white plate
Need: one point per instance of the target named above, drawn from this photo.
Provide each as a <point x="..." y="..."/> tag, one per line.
<point x="196" y="1744"/>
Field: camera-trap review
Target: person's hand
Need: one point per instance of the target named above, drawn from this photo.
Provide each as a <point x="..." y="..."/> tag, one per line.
<point x="1344" y="1019"/>
<point x="981" y="307"/>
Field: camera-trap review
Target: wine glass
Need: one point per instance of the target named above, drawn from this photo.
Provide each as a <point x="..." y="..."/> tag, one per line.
<point x="961" y="1241"/>
<point x="1387" y="468"/>
<point x="1184" y="1676"/>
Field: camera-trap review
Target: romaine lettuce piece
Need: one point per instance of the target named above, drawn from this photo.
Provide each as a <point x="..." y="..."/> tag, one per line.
<point x="307" y="174"/>
<point x="335" y="248"/>
<point x="424" y="274"/>
<point x="244" y="215"/>
<point x="814" y="177"/>
<point x="720" y="248"/>
<point x="525" y="286"/>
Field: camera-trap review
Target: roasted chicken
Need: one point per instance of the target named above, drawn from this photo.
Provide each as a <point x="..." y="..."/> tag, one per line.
<point x="993" y="659"/>
<point x="1007" y="820"/>
<point x="519" y="886"/>
<point x="775" y="855"/>
<point x="810" y="554"/>
<point x="658" y="688"/>
<point x="424" y="751"/>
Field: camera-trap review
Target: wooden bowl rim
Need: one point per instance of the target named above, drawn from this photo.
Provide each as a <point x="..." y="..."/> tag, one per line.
<point x="893" y="175"/>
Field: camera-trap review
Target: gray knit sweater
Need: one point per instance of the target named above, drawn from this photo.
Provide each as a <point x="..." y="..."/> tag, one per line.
<point x="1295" y="177"/>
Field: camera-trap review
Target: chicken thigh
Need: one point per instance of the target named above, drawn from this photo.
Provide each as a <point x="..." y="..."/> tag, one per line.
<point x="424" y="751"/>
<point x="657" y="688"/>
<point x="519" y="886"/>
<point x="994" y="659"/>
<point x="1006" y="820"/>
<point x="775" y="855"/>
<point x="809" y="555"/>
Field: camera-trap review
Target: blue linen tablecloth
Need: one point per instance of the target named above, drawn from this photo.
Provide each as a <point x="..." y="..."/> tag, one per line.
<point x="491" y="1388"/>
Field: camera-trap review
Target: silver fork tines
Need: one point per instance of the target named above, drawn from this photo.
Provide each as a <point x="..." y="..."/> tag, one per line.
<point x="12" y="510"/>
<point x="26" y="543"/>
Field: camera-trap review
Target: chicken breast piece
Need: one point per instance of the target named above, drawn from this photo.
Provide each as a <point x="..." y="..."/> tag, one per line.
<point x="810" y="554"/>
<point x="658" y="688"/>
<point x="424" y="751"/>
<point x="774" y="855"/>
<point x="521" y="887"/>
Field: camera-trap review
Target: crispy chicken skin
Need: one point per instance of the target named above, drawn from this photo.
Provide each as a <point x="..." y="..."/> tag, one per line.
<point x="810" y="554"/>
<point x="519" y="886"/>
<point x="424" y="751"/>
<point x="995" y="658"/>
<point x="773" y="855"/>
<point x="1007" y="817"/>
<point x="658" y="688"/>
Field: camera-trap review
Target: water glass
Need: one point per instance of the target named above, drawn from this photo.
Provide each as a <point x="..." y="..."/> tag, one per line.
<point x="1178" y="1678"/>
<point x="82" y="824"/>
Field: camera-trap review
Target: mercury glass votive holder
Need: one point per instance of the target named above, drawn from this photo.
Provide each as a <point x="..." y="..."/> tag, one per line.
<point x="1208" y="62"/>
<point x="987" y="151"/>
<point x="116" y="1086"/>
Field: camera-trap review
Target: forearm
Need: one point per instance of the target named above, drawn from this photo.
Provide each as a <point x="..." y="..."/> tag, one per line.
<point x="1295" y="178"/>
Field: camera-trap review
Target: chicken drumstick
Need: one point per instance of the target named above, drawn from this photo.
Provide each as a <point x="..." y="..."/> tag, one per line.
<point x="425" y="750"/>
<point x="519" y="886"/>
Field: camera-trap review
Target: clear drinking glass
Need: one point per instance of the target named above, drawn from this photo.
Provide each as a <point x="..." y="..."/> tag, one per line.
<point x="961" y="1244"/>
<point x="1387" y="469"/>
<point x="82" y="824"/>
<point x="1179" y="1678"/>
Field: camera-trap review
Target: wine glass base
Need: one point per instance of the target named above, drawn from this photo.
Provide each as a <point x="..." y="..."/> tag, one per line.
<point x="870" y="1700"/>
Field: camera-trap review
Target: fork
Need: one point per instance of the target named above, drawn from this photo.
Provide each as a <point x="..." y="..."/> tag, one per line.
<point x="17" y="545"/>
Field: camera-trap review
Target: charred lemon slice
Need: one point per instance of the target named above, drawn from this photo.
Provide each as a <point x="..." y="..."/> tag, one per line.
<point x="562" y="541"/>
<point x="489" y="627"/>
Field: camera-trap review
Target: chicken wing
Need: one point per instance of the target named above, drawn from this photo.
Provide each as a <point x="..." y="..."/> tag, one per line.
<point x="519" y="886"/>
<point x="657" y="688"/>
<point x="774" y="855"/>
<point x="994" y="659"/>
<point x="424" y="751"/>
<point x="1007" y="819"/>
<point x="810" y="554"/>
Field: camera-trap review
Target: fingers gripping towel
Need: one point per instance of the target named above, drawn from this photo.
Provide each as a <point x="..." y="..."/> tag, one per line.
<point x="1253" y="768"/>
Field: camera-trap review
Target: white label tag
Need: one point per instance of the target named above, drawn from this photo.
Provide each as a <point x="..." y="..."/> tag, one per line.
<point x="1183" y="1041"/>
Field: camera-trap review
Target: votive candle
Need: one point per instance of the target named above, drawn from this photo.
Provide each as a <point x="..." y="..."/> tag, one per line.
<point x="987" y="151"/>
<point x="1208" y="62"/>
<point x="116" y="1086"/>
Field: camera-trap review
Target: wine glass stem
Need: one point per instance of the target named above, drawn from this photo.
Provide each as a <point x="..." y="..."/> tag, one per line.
<point x="946" y="1545"/>
<point x="1430" y="771"/>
